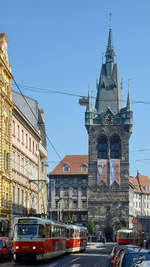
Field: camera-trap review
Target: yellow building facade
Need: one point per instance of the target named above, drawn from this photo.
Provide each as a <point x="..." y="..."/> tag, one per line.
<point x="6" y="107"/>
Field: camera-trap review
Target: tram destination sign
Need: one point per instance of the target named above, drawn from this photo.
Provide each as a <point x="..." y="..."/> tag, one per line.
<point x="27" y="221"/>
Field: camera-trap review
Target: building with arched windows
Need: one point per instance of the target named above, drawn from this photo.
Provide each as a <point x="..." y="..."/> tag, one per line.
<point x="109" y="127"/>
<point x="6" y="107"/>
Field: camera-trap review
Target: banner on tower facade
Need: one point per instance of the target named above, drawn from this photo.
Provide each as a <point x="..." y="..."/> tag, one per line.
<point x="115" y="171"/>
<point x="102" y="171"/>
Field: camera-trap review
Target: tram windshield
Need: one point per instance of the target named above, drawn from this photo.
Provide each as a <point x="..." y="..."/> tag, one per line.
<point x="27" y="230"/>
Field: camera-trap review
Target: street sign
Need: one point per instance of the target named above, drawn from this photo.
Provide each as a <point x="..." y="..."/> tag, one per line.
<point x="135" y="220"/>
<point x="139" y="227"/>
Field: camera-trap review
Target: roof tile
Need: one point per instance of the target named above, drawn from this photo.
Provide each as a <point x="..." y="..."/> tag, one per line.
<point x="74" y="162"/>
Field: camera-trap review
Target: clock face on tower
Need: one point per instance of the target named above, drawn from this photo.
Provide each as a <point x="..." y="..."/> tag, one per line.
<point x="108" y="119"/>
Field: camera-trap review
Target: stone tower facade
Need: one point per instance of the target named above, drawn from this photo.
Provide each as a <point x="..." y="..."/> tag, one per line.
<point x="109" y="127"/>
<point x="6" y="107"/>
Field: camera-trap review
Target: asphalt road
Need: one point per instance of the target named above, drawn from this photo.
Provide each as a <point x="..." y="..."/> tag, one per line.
<point x="94" y="256"/>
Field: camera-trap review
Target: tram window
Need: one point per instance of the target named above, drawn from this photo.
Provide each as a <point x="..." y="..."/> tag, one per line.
<point x="63" y="231"/>
<point x="53" y="231"/>
<point x="75" y="233"/>
<point x="67" y="233"/>
<point x="71" y="233"/>
<point x="41" y="231"/>
<point x="62" y="234"/>
<point x="48" y="230"/>
<point x="26" y="230"/>
<point x="58" y="231"/>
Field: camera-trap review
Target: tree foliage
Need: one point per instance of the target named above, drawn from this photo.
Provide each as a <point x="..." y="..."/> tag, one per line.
<point x="122" y="224"/>
<point x="91" y="228"/>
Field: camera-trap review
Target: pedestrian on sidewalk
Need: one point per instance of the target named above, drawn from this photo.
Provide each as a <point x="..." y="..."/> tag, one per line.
<point x="103" y="240"/>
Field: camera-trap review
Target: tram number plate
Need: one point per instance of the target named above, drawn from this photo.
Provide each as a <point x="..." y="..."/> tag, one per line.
<point x="25" y="247"/>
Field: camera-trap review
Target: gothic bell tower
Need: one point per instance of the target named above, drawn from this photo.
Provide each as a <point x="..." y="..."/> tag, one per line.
<point x="109" y="127"/>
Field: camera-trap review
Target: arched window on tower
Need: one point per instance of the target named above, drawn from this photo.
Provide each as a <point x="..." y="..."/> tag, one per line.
<point x="115" y="147"/>
<point x="102" y="147"/>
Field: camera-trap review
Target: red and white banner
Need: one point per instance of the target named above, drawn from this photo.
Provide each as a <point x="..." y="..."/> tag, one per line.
<point x="102" y="171"/>
<point x="115" y="171"/>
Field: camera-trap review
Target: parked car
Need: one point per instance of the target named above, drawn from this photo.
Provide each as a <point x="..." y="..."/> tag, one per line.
<point x="142" y="264"/>
<point x="131" y="257"/>
<point x="112" y="256"/>
<point x="5" y="248"/>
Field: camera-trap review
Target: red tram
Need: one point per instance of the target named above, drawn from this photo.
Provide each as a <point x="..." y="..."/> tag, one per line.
<point x="124" y="236"/>
<point x="38" y="238"/>
<point x="76" y="239"/>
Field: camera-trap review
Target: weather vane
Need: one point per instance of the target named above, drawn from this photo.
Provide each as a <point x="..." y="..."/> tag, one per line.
<point x="110" y="19"/>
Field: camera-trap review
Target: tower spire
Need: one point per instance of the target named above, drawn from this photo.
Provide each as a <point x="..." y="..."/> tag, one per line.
<point x="128" y="98"/>
<point x="110" y="51"/>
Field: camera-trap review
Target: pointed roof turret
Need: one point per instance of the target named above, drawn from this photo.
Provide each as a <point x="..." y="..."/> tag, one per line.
<point x="128" y="101"/>
<point x="89" y="105"/>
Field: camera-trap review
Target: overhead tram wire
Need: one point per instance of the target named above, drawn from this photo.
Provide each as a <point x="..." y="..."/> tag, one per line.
<point x="30" y="108"/>
<point x="46" y="91"/>
<point x="58" y="92"/>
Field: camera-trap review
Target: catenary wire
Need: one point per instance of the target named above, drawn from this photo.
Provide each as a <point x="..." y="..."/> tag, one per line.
<point x="46" y="90"/>
<point x="30" y="108"/>
<point x="59" y="92"/>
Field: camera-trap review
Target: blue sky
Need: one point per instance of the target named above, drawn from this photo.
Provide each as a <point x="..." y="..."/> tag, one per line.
<point x="58" y="45"/>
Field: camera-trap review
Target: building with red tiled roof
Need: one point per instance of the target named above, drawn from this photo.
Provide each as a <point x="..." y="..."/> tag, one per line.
<point x="139" y="200"/>
<point x="68" y="190"/>
<point x="72" y="164"/>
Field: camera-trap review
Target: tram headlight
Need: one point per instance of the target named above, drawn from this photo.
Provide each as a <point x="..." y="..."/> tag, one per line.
<point x="17" y="247"/>
<point x="34" y="247"/>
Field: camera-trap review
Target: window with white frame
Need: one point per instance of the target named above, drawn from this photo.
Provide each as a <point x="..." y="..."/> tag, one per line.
<point x="26" y="168"/>
<point x="26" y="140"/>
<point x="13" y="159"/>
<point x="22" y="166"/>
<point x="66" y="192"/>
<point x="22" y="136"/>
<point x="13" y="196"/>
<point x="22" y="199"/>
<point x="75" y="204"/>
<point x="75" y="192"/>
<point x="18" y="195"/>
<point x="84" y="204"/>
<point x="13" y="128"/>
<point x="30" y="143"/>
<point x="84" y="191"/>
<point x="18" y="163"/>
<point x="18" y="133"/>
<point x="33" y="147"/>
<point x="6" y="160"/>
<point x="84" y="181"/>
